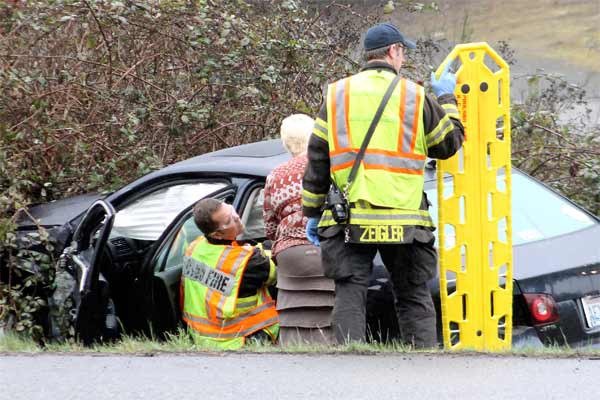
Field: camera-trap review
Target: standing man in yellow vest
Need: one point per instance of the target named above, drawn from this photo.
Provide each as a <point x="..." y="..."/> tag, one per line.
<point x="224" y="283"/>
<point x="388" y="209"/>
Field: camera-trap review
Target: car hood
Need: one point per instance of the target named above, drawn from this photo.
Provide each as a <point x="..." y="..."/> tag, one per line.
<point x="57" y="212"/>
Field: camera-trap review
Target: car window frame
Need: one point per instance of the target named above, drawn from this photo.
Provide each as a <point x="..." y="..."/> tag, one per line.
<point x="245" y="205"/>
<point x="128" y="198"/>
<point x="240" y="190"/>
<point x="157" y="188"/>
<point x="165" y="241"/>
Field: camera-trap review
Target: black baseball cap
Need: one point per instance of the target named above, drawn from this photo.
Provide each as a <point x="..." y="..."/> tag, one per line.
<point x="385" y="34"/>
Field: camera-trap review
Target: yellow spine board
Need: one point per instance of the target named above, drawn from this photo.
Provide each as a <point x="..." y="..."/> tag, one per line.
<point x="474" y="197"/>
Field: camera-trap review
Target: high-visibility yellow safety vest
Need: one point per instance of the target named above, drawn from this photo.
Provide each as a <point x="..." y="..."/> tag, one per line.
<point x="216" y="316"/>
<point x="391" y="172"/>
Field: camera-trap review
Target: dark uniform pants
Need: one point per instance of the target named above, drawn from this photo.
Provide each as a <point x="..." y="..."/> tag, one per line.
<point x="410" y="267"/>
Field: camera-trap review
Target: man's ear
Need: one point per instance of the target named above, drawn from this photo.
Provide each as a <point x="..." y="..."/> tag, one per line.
<point x="390" y="52"/>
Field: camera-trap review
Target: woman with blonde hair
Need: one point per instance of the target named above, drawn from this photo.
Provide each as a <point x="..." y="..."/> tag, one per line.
<point x="305" y="297"/>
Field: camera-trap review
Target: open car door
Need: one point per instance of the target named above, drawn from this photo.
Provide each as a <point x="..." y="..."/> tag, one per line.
<point x="83" y="260"/>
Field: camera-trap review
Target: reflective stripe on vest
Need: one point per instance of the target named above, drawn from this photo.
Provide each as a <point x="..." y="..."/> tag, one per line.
<point x="219" y="303"/>
<point x="211" y="280"/>
<point x="403" y="159"/>
<point x="372" y="160"/>
<point x="391" y="172"/>
<point x="244" y="325"/>
<point x="365" y="216"/>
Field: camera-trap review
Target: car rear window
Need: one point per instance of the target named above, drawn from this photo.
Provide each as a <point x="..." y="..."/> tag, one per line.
<point x="538" y="212"/>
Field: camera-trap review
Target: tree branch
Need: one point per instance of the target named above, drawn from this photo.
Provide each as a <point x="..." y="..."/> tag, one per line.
<point x="106" y="43"/>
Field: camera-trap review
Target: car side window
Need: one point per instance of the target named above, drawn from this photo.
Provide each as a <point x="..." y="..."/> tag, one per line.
<point x="185" y="236"/>
<point x="147" y="217"/>
<point x="252" y="216"/>
<point x="171" y="254"/>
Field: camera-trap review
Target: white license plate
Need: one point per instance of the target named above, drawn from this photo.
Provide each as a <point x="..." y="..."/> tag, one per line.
<point x="591" y="309"/>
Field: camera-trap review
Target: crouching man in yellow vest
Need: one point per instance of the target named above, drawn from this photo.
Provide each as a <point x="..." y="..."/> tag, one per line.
<point x="224" y="283"/>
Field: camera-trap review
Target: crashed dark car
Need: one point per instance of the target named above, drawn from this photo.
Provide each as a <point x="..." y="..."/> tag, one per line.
<point x="121" y="265"/>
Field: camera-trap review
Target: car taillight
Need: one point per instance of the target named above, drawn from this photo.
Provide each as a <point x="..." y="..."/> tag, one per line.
<point x="542" y="307"/>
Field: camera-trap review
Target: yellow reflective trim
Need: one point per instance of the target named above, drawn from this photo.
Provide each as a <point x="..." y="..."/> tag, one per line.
<point x="310" y="199"/>
<point x="451" y="110"/>
<point x="227" y="323"/>
<point x="411" y="102"/>
<point x="246" y="302"/>
<point x="364" y="207"/>
<point x="392" y="222"/>
<point x="311" y="204"/>
<point x="234" y="335"/>
<point x="272" y="273"/>
<point x="436" y="136"/>
<point x="319" y="134"/>
<point x="395" y="158"/>
<point x="320" y="129"/>
<point x="223" y="310"/>
<point x="396" y="161"/>
<point x="306" y="193"/>
<point x="399" y="214"/>
<point x="322" y="125"/>
<point x="449" y="107"/>
<point x="326" y="220"/>
<point x="342" y="134"/>
<point x="382" y="217"/>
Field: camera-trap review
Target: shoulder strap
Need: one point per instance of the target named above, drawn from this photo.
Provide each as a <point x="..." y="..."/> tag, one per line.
<point x="374" y="122"/>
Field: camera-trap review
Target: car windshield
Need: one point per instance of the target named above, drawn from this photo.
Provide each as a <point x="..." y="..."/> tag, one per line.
<point x="538" y="212"/>
<point x="147" y="217"/>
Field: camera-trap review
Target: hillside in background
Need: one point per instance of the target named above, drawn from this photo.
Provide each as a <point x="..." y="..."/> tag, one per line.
<point x="561" y="36"/>
<point x="544" y="30"/>
<point x="558" y="36"/>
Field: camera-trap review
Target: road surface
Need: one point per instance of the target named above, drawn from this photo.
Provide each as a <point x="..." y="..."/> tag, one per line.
<point x="296" y="376"/>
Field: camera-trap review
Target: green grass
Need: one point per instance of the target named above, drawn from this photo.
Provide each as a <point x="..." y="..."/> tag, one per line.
<point x="11" y="342"/>
<point x="181" y="343"/>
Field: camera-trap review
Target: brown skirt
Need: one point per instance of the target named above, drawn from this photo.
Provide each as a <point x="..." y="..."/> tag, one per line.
<point x="305" y="297"/>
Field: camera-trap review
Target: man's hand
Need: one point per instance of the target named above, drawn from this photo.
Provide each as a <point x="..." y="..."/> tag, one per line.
<point x="446" y="83"/>
<point x="311" y="230"/>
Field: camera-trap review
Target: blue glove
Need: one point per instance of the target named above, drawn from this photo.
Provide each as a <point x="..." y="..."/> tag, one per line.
<point x="311" y="230"/>
<point x="446" y="83"/>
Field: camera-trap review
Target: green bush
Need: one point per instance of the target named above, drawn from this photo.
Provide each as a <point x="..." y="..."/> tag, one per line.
<point x="94" y="94"/>
<point x="554" y="141"/>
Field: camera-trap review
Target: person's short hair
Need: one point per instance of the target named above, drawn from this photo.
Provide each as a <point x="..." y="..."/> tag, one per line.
<point x="203" y="212"/>
<point x="295" y="131"/>
<point x="376" y="54"/>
